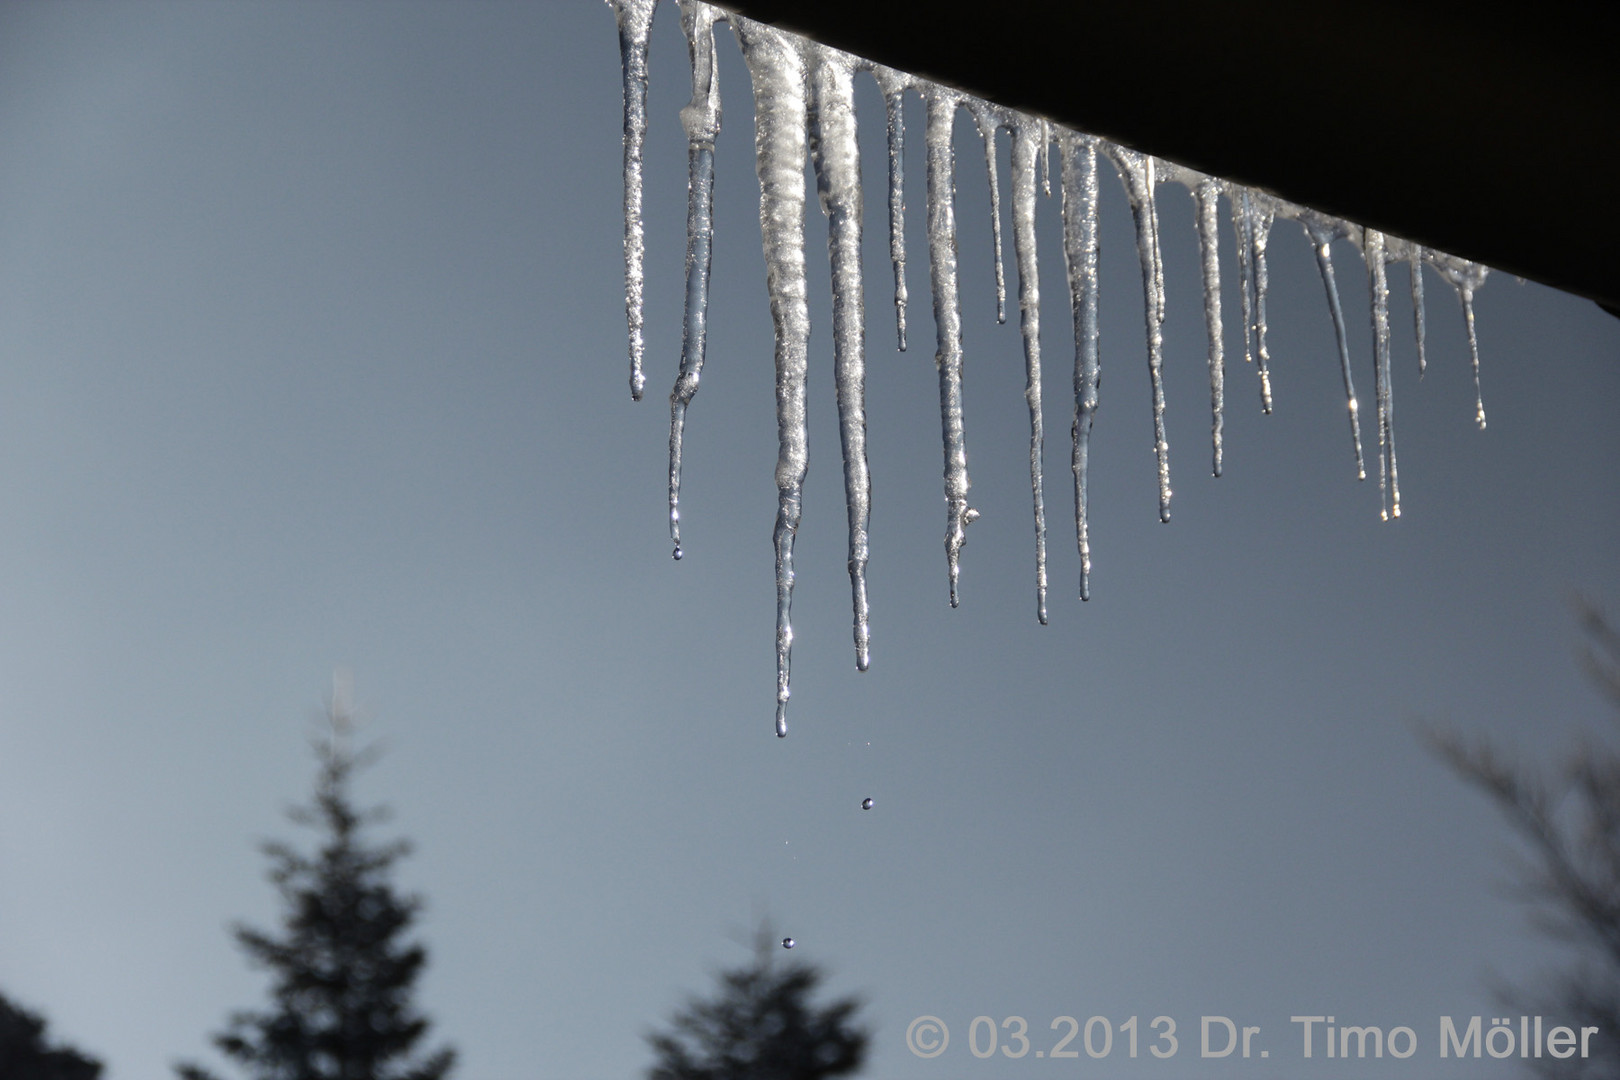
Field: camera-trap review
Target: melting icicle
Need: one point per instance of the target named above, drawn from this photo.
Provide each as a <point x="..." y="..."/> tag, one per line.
<point x="635" y="27"/>
<point x="776" y="67"/>
<point x="1137" y="172"/>
<point x="838" y="182"/>
<point x="893" y="84"/>
<point x="1025" y="135"/>
<point x="987" y="118"/>
<point x="1248" y="290"/>
<point x="1207" y="195"/>
<point x="1389" y="484"/>
<point x="1466" y="277"/>
<point x="1079" y="183"/>
<point x="947" y="320"/>
<point x="1415" y="264"/>
<point x="1322" y="231"/>
<point x="701" y="119"/>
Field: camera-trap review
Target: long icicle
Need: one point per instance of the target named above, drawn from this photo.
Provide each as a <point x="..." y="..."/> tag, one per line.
<point x="987" y="118"/>
<point x="776" y="66"/>
<point x="1137" y="171"/>
<point x="1466" y="277"/>
<point x="701" y="118"/>
<point x="1323" y="230"/>
<point x="635" y="27"/>
<point x="1027" y="137"/>
<point x="836" y="152"/>
<point x="1207" y="195"/>
<point x="893" y="84"/>
<point x="1262" y="213"/>
<point x="942" y="105"/>
<point x="1079" y="183"/>
<point x="1389" y="484"/>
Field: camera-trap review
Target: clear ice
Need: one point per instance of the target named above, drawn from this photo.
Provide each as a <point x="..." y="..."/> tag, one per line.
<point x="804" y="109"/>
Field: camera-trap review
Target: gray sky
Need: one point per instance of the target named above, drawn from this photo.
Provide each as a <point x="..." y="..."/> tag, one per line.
<point x="311" y="319"/>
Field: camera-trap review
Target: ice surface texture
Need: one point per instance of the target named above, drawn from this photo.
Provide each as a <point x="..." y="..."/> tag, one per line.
<point x="804" y="106"/>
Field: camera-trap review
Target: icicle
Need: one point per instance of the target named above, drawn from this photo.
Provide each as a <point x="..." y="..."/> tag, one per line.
<point x="776" y="66"/>
<point x="942" y="105"/>
<point x="1262" y="211"/>
<point x="701" y="119"/>
<point x="635" y="27"/>
<point x="1137" y="172"/>
<point x="1243" y="225"/>
<point x="1026" y="134"/>
<point x="1389" y="484"/>
<point x="836" y="153"/>
<point x="893" y="85"/>
<point x="1046" y="157"/>
<point x="1207" y="193"/>
<point x="1323" y="230"/>
<point x="1079" y="182"/>
<point x="1415" y="264"/>
<point x="1466" y="277"/>
<point x="987" y="118"/>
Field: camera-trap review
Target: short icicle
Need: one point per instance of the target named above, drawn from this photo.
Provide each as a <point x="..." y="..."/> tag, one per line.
<point x="1261" y="214"/>
<point x="987" y="118"/>
<point x="942" y="105"/>
<point x="1243" y="226"/>
<point x="1027" y="136"/>
<point x="776" y="66"/>
<point x="1415" y="264"/>
<point x="1389" y="484"/>
<point x="836" y="153"/>
<point x="1207" y="196"/>
<point x="893" y="84"/>
<point x="1322" y="231"/>
<point x="1078" y="154"/>
<point x="701" y="119"/>
<point x="1137" y="170"/>
<point x="1466" y="277"/>
<point x="635" y="27"/>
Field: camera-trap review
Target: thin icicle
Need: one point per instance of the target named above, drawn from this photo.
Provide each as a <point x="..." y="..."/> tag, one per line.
<point x="1137" y="171"/>
<point x="1046" y="156"/>
<point x="701" y="118"/>
<point x="1078" y="154"/>
<point x="1415" y="264"/>
<point x="987" y="118"/>
<point x="942" y="105"/>
<point x="776" y="66"/>
<point x="1243" y="226"/>
<point x="1466" y="277"/>
<point x="1026" y="134"/>
<point x="836" y="152"/>
<point x="893" y="85"/>
<point x="635" y="26"/>
<point x="1389" y="484"/>
<point x="1261" y="214"/>
<point x="1207" y="193"/>
<point x="1323" y="230"/>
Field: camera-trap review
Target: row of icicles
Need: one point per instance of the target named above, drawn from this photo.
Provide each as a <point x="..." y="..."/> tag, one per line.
<point x="804" y="103"/>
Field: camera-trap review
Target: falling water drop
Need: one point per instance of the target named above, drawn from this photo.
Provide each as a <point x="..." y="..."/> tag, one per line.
<point x="788" y="943"/>
<point x="677" y="553"/>
<point x="866" y="803"/>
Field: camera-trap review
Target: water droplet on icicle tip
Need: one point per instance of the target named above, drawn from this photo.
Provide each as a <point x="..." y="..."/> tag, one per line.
<point x="788" y="943"/>
<point x="866" y="803"/>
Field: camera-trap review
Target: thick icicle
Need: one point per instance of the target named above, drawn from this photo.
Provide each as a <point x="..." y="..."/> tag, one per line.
<point x="893" y="85"/>
<point x="635" y="26"/>
<point x="1323" y="230"/>
<point x="987" y="118"/>
<point x="1079" y="181"/>
<point x="1466" y="277"/>
<point x="1137" y="171"/>
<point x="942" y="105"/>
<point x="701" y="118"/>
<point x="1243" y="226"/>
<point x="838" y="181"/>
<point x="1207" y="193"/>
<point x="1415" y="264"/>
<point x="1389" y="484"/>
<point x="1027" y="134"/>
<point x="776" y="66"/>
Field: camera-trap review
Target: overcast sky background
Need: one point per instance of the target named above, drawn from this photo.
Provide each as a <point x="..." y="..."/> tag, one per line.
<point x="312" y="354"/>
